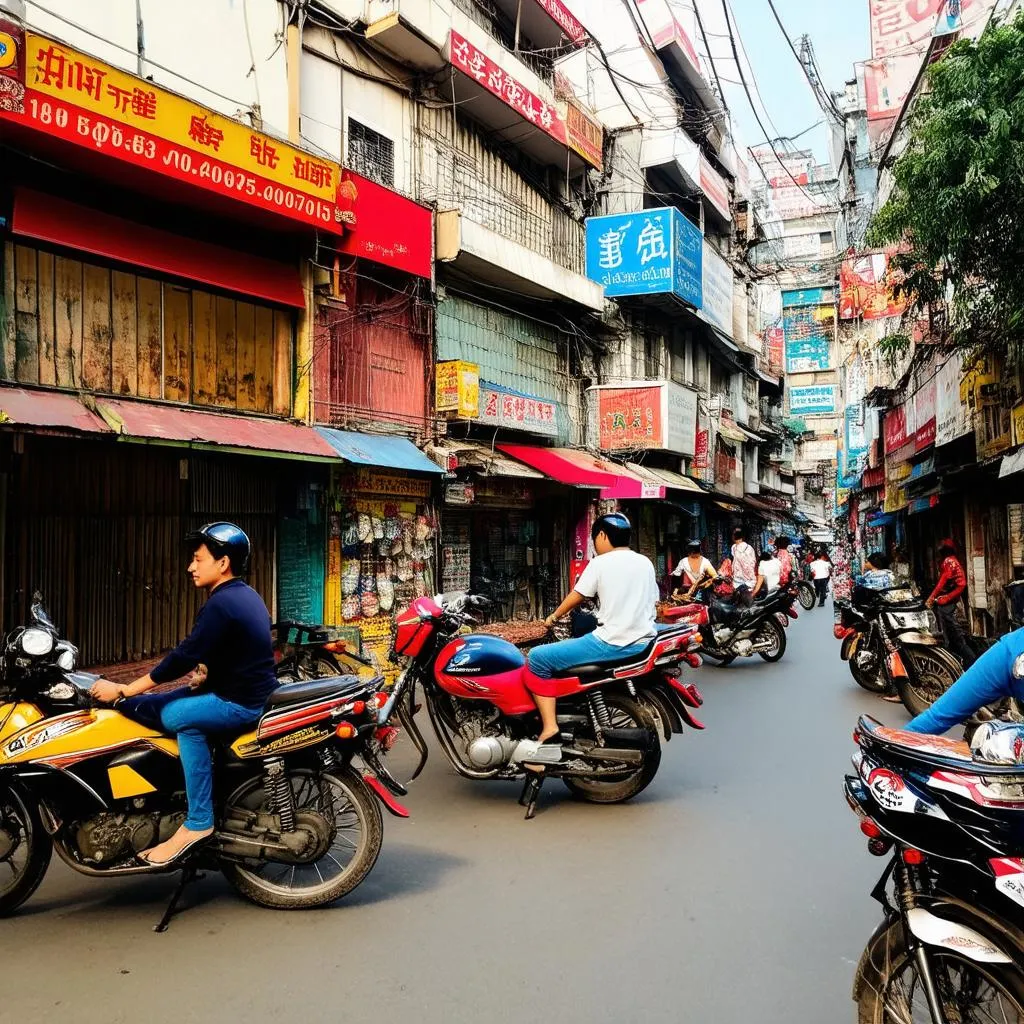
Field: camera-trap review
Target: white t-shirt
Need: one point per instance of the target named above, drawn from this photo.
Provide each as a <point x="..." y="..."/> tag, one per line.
<point x="626" y="589"/>
<point x="820" y="569"/>
<point x="771" y="570"/>
<point x="684" y="567"/>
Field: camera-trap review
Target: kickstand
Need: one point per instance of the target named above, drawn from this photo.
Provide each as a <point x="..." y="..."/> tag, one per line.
<point x="531" y="790"/>
<point x="188" y="875"/>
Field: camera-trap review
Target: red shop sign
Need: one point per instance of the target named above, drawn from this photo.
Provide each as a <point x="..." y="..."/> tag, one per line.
<point x="700" y="455"/>
<point x="895" y="429"/>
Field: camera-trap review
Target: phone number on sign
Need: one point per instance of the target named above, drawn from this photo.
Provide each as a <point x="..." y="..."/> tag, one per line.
<point x="140" y="148"/>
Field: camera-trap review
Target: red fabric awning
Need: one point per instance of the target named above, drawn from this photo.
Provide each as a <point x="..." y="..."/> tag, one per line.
<point x="175" y="424"/>
<point x="581" y="469"/>
<point x="47" y="410"/>
<point x="59" y="222"/>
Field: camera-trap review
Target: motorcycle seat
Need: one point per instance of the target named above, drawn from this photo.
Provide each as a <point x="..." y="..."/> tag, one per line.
<point x="315" y="689"/>
<point x="590" y="669"/>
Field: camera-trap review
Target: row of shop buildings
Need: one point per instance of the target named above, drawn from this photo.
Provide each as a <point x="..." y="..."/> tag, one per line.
<point x="410" y="298"/>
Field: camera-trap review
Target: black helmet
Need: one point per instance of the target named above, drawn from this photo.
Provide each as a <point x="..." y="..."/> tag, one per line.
<point x="693" y="544"/>
<point x="224" y="539"/>
<point x="615" y="526"/>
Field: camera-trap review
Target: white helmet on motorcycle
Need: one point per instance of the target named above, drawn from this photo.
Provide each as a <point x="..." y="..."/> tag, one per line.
<point x="999" y="743"/>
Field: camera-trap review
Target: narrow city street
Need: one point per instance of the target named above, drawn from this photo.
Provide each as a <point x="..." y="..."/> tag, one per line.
<point x="734" y="890"/>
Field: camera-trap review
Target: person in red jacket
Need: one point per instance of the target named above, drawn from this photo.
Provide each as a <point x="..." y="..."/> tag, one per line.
<point x="944" y="598"/>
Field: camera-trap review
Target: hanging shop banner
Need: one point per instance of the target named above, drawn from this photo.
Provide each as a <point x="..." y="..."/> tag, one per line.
<point x="649" y="252"/>
<point x="813" y="399"/>
<point x="564" y="19"/>
<point x="502" y="407"/>
<point x="808" y="331"/>
<point x="457" y="388"/>
<point x="701" y="450"/>
<point x="584" y="136"/>
<point x="74" y="97"/>
<point x="775" y="347"/>
<point x="808" y="297"/>
<point x="713" y="185"/>
<point x="895" y="429"/>
<point x="952" y="417"/>
<point x="660" y="416"/>
<point x="924" y="416"/>
<point x="865" y="289"/>
<point x="718" y="288"/>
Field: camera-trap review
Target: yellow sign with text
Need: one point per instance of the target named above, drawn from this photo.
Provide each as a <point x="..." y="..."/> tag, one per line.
<point x="457" y="388"/>
<point x="1017" y="417"/>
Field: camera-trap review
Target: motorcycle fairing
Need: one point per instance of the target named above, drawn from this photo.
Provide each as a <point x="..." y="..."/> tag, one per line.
<point x="17" y="716"/>
<point x="936" y="931"/>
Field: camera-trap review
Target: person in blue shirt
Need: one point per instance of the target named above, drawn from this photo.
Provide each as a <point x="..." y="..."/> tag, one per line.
<point x="231" y="646"/>
<point x="988" y="680"/>
<point x="877" y="574"/>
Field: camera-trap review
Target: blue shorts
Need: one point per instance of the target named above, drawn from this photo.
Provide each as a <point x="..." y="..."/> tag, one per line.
<point x="551" y="660"/>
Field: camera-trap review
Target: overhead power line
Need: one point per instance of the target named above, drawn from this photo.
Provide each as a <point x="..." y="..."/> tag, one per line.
<point x="825" y="103"/>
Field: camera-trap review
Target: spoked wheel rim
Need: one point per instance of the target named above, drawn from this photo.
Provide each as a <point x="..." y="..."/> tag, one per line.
<point x="330" y="797"/>
<point x="15" y="841"/>
<point x="931" y="678"/>
<point x="770" y="634"/>
<point x="619" y="718"/>
<point x="970" y="994"/>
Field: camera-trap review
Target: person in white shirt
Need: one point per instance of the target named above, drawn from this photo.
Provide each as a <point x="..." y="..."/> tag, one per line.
<point x="626" y="590"/>
<point x="694" y="572"/>
<point x="821" y="570"/>
<point x="744" y="566"/>
<point x="769" y="571"/>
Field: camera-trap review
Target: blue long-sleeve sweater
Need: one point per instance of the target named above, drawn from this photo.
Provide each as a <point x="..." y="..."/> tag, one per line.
<point x="231" y="637"/>
<point x="988" y="680"/>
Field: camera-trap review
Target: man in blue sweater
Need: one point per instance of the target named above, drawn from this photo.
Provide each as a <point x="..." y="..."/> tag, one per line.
<point x="991" y="678"/>
<point x="231" y="638"/>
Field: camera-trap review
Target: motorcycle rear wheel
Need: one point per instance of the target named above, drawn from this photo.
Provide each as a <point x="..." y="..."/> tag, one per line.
<point x="931" y="672"/>
<point x="350" y="808"/>
<point x="630" y="714"/>
<point x="778" y="648"/>
<point x="28" y="850"/>
<point x="893" y="995"/>
<point x="807" y="597"/>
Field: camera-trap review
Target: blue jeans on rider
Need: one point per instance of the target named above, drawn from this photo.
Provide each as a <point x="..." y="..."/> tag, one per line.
<point x="551" y="660"/>
<point x="193" y="717"/>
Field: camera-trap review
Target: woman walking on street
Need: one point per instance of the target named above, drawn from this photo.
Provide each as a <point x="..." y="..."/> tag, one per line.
<point x="944" y="599"/>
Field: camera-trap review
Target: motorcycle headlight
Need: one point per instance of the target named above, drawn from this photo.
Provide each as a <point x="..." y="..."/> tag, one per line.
<point x="896" y="596"/>
<point x="66" y="658"/>
<point x="910" y="620"/>
<point x="36" y="642"/>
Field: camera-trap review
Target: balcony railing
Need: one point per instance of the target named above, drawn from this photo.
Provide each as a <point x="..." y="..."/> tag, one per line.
<point x="495" y="23"/>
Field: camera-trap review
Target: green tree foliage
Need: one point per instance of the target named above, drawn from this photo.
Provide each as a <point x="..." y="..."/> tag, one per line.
<point x="957" y="208"/>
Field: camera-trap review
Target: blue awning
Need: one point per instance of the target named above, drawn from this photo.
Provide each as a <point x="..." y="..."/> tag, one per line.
<point x="374" y="450"/>
<point x="878" y="519"/>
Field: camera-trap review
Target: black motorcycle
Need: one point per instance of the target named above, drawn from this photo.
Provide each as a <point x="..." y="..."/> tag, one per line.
<point x="892" y="641"/>
<point x="950" y="946"/>
<point x="737" y="631"/>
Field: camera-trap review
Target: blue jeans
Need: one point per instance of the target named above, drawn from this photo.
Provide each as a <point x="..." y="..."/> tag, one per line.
<point x="552" y="659"/>
<point x="192" y="717"/>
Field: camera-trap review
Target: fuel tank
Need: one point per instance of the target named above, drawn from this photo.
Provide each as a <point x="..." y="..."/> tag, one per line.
<point x="480" y="667"/>
<point x="17" y="716"/>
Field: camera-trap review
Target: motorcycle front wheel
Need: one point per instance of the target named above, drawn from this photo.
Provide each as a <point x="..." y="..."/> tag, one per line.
<point x="342" y="801"/>
<point x="625" y="713"/>
<point x="25" y="850"/>
<point x="931" y="672"/>
<point x="806" y="595"/>
<point x="972" y="992"/>
<point x="873" y="681"/>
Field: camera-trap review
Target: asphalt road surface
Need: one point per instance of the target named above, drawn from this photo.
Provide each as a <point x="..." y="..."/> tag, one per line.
<point x="734" y="890"/>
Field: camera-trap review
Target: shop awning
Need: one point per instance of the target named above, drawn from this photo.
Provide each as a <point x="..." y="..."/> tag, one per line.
<point x="879" y="519"/>
<point x="482" y="458"/>
<point x="377" y="450"/>
<point x="728" y="506"/>
<point x="732" y="433"/>
<point x="667" y="477"/>
<point x="1012" y="463"/>
<point x="581" y="469"/>
<point x="48" y="411"/>
<point x="149" y="422"/>
<point x="760" y="506"/>
<point x="58" y="222"/>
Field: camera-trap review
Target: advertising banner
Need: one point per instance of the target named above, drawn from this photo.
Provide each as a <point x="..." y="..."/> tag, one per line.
<point x="812" y="399"/>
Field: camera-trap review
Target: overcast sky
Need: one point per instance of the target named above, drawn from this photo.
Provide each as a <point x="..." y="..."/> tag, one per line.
<point x="839" y="34"/>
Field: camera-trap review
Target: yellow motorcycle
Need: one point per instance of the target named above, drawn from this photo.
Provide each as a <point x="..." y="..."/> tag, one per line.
<point x="297" y="824"/>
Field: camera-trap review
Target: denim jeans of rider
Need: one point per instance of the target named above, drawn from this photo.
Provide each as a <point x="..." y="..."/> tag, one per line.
<point x="550" y="659"/>
<point x="955" y="639"/>
<point x="193" y="719"/>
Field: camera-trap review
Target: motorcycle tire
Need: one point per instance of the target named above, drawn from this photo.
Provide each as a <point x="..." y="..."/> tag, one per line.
<point x="15" y="891"/>
<point x="806" y="595"/>
<point x="320" y="666"/>
<point x="873" y="682"/>
<point x="266" y="893"/>
<point x="887" y="960"/>
<point x="931" y="672"/>
<point x="779" y="649"/>
<point x="620" y="789"/>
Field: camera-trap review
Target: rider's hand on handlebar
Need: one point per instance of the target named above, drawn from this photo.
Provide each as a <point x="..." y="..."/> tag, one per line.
<point x="198" y="677"/>
<point x="105" y="691"/>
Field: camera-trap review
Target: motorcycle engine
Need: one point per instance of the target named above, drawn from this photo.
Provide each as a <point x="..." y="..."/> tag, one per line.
<point x="744" y="648"/>
<point x="111" y="837"/>
<point x="486" y="747"/>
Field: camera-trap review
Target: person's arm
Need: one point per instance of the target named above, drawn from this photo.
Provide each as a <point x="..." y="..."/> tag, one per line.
<point x="945" y="577"/>
<point x="586" y="586"/>
<point x="986" y="681"/>
<point x="574" y="600"/>
<point x="759" y="585"/>
<point x="958" y="578"/>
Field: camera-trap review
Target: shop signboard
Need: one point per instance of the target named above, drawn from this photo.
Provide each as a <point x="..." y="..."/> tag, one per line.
<point x="701" y="450"/>
<point x="924" y="416"/>
<point x="647" y="415"/>
<point x="808" y="332"/>
<point x="377" y="481"/>
<point x="952" y="417"/>
<point x="807" y="297"/>
<point x="865" y="289"/>
<point x="584" y="136"/>
<point x="895" y="429"/>
<point x="457" y="388"/>
<point x="812" y="399"/>
<point x="713" y="185"/>
<point x="1017" y="421"/>
<point x="76" y="98"/>
<point x="718" y="283"/>
<point x="565" y="20"/>
<point x="503" y="407"/>
<point x="459" y="493"/>
<point x="649" y="252"/>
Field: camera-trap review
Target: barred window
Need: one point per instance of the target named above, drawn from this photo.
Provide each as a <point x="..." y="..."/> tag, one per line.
<point x="371" y="154"/>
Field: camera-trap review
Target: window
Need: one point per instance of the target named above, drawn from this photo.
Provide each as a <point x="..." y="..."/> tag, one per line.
<point x="371" y="154"/>
<point x="825" y="237"/>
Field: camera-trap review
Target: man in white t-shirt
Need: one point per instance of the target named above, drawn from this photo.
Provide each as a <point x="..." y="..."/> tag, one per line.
<point x="626" y="590"/>
<point x="769" y="570"/>
<point x="821" y="570"/>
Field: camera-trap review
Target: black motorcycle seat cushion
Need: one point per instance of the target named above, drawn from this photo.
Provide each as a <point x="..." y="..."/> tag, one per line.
<point x="299" y="693"/>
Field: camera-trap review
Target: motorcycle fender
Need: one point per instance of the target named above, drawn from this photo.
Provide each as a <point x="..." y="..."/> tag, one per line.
<point x="782" y="619"/>
<point x="868" y="974"/>
<point x="664" y="703"/>
<point x="935" y="931"/>
<point x="922" y="639"/>
<point x="691" y="720"/>
<point x="688" y="692"/>
<point x="849" y="648"/>
<point x="380" y="791"/>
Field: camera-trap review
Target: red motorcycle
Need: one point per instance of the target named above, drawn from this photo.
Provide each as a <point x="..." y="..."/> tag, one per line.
<point x="477" y="691"/>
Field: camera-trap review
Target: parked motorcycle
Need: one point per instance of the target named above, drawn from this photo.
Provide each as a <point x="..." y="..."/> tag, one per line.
<point x="731" y="631"/>
<point x="891" y="640"/>
<point x="950" y="944"/>
<point x="477" y="692"/>
<point x="304" y="651"/>
<point x="297" y="823"/>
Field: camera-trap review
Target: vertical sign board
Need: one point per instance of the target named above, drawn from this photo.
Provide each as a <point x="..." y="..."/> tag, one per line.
<point x="718" y="288"/>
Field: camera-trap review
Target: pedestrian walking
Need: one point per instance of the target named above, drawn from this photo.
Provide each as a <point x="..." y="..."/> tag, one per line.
<point x="821" y="571"/>
<point x="785" y="557"/>
<point x="945" y="598"/>
<point x="744" y="566"/>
